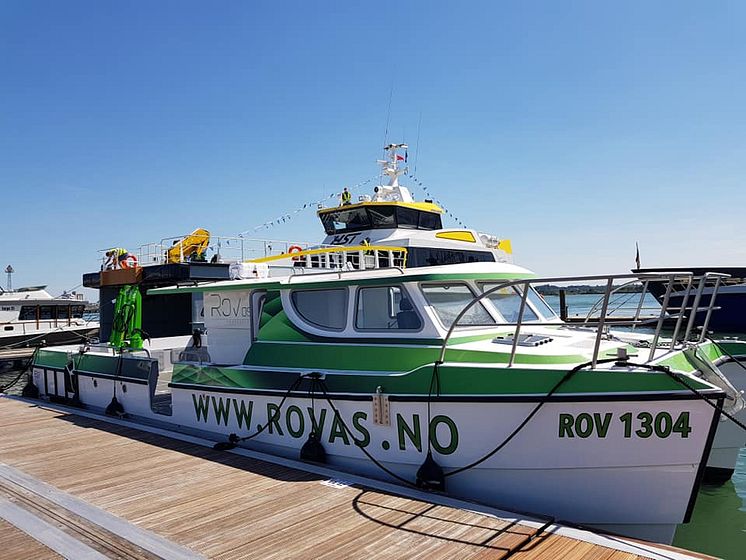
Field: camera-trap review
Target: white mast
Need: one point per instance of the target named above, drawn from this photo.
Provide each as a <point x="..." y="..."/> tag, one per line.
<point x="390" y="167"/>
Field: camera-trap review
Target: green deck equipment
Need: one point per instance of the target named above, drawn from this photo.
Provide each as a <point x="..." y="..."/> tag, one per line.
<point x="126" y="331"/>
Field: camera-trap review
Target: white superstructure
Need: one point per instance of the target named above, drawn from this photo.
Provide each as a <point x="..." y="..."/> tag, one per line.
<point x="32" y="317"/>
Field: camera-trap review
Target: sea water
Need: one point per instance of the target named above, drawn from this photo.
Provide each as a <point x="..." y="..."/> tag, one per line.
<point x="718" y="524"/>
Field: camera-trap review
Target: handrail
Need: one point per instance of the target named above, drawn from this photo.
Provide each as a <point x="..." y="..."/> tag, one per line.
<point x="341" y="258"/>
<point x="614" y="291"/>
<point x="333" y="249"/>
<point x="341" y="272"/>
<point x="697" y="298"/>
<point x="710" y="308"/>
<point x="528" y="283"/>
<point x="680" y="318"/>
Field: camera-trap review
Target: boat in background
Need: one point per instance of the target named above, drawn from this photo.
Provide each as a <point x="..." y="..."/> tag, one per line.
<point x="392" y="217"/>
<point x="32" y="317"/>
<point x="730" y="290"/>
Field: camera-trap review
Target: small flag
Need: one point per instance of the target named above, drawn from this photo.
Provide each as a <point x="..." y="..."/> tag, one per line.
<point x="637" y="255"/>
<point x="399" y="158"/>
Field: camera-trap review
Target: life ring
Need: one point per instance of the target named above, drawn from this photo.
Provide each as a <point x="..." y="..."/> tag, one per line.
<point x="130" y="261"/>
<point x="295" y="249"/>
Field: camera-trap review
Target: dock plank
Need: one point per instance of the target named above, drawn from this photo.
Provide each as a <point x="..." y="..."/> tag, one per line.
<point x="16" y="544"/>
<point x="227" y="506"/>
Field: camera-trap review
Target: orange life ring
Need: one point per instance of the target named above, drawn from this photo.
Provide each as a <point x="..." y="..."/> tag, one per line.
<point x="130" y="261"/>
<point x="295" y="249"/>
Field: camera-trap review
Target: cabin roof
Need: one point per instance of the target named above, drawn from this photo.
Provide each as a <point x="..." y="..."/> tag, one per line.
<point x="422" y="206"/>
<point x="384" y="276"/>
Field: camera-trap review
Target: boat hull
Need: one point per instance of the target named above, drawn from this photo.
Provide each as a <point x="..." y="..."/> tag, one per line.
<point x="729" y="438"/>
<point x="617" y="462"/>
<point x="63" y="335"/>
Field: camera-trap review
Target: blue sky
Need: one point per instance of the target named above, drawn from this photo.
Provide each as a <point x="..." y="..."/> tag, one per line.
<point x="573" y="128"/>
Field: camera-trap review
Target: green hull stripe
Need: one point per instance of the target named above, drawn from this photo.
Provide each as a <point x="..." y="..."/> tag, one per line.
<point x="382" y="358"/>
<point x="458" y="380"/>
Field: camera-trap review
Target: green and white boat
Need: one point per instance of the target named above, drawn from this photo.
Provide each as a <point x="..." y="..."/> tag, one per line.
<point x="457" y="377"/>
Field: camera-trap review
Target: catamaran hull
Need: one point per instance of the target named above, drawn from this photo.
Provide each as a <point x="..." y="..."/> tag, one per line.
<point x="626" y="463"/>
<point x="729" y="438"/>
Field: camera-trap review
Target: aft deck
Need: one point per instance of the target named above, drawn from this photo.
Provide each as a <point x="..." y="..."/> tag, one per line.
<point x="76" y="485"/>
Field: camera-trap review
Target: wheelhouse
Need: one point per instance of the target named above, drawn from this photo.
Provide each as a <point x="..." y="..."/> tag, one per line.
<point x="413" y="309"/>
<point x="381" y="215"/>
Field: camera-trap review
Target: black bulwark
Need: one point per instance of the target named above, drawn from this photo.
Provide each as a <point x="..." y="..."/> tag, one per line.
<point x="170" y="315"/>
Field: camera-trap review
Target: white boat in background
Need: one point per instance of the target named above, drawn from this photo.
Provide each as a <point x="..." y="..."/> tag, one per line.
<point x="32" y="317"/>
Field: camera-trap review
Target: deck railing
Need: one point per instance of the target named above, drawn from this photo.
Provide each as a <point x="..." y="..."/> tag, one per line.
<point x="695" y="286"/>
<point x="220" y="249"/>
<point x="339" y="258"/>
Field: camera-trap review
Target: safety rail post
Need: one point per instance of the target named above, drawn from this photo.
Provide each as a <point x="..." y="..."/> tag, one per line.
<point x="517" y="331"/>
<point x="710" y="307"/>
<point x="695" y="307"/>
<point x="636" y="317"/>
<point x="661" y="319"/>
<point x="682" y="308"/>
<point x="563" y="304"/>
<point x="601" y="321"/>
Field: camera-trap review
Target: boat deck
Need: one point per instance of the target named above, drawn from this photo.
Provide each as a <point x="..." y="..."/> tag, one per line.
<point x="112" y="490"/>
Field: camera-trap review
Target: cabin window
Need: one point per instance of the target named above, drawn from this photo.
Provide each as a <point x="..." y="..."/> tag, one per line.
<point x="46" y="312"/>
<point x="507" y="300"/>
<point x="431" y="256"/>
<point x="78" y="311"/>
<point x="448" y="300"/>
<point x="324" y="308"/>
<point x="345" y="220"/>
<point x="540" y="305"/>
<point x="9" y="328"/>
<point x="407" y="217"/>
<point x="382" y="216"/>
<point x="385" y="308"/>
<point x="428" y="220"/>
<point x="62" y="312"/>
<point x="27" y="313"/>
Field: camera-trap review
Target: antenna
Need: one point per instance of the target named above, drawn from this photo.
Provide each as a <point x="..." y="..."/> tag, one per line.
<point x="9" y="270"/>
<point x="388" y="118"/>
<point x="417" y="149"/>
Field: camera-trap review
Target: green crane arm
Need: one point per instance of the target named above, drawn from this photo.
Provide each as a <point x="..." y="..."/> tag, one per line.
<point x="126" y="330"/>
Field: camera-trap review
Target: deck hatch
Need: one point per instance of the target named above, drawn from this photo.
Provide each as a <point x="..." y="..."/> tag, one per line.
<point x="532" y="340"/>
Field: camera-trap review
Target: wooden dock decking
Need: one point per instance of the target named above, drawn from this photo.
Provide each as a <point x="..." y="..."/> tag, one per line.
<point x="16" y="353"/>
<point x="127" y="493"/>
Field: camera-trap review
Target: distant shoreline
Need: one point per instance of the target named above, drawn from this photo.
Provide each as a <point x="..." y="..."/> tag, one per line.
<point x="552" y="290"/>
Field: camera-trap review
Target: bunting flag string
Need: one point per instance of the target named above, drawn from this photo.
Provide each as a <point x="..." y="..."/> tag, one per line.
<point x="429" y="194"/>
<point x="284" y="218"/>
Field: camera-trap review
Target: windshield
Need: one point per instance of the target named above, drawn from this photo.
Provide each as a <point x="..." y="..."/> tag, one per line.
<point x="540" y="305"/>
<point x="378" y="216"/>
<point x="345" y="220"/>
<point x="507" y="300"/>
<point x="448" y="300"/>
